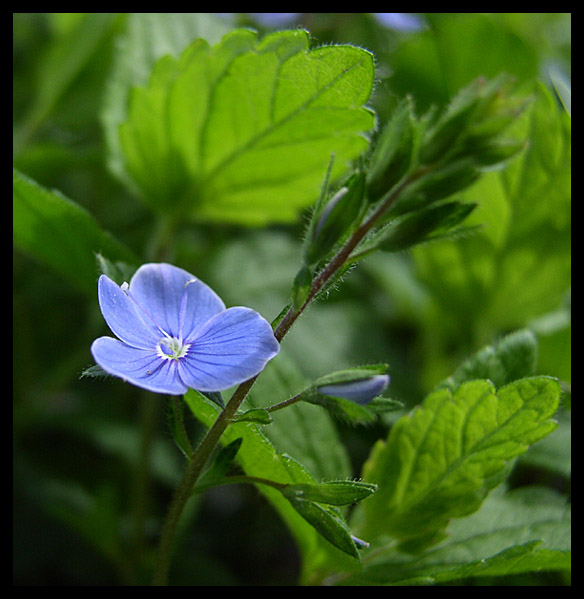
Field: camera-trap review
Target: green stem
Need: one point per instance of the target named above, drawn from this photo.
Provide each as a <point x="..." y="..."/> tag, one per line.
<point x="211" y="439"/>
<point x="284" y="404"/>
<point x="192" y="473"/>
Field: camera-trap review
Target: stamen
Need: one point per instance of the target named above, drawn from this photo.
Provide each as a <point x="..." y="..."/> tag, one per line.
<point x="175" y="346"/>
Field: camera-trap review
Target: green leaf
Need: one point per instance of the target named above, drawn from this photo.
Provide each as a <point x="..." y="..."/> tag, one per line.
<point x="61" y="234"/>
<point x="220" y="466"/>
<point x="177" y="429"/>
<point x="419" y="226"/>
<point x="441" y="460"/>
<point x="256" y="415"/>
<point x="335" y="492"/>
<point x="512" y="358"/>
<point x="146" y="39"/>
<point x="238" y="132"/>
<point x="328" y="523"/>
<point x="525" y="530"/>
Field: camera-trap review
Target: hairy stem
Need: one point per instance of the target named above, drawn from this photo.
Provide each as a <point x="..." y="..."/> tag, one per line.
<point x="211" y="439"/>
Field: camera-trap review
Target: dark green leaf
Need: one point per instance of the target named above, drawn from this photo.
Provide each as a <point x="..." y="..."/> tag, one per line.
<point x="61" y="234"/>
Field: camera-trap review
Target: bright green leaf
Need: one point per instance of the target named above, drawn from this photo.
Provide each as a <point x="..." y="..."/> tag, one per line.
<point x="441" y="460"/>
<point x="243" y="131"/>
<point x="147" y="38"/>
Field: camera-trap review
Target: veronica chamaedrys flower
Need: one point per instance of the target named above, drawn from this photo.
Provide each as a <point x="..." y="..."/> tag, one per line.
<point x="174" y="332"/>
<point x="360" y="391"/>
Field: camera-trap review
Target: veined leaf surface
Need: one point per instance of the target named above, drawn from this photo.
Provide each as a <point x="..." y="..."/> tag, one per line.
<point x="243" y="131"/>
<point x="442" y="459"/>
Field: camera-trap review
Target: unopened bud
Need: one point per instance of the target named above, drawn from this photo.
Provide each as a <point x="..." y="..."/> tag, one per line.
<point x="360" y="391"/>
<point x="335" y="219"/>
<point x="421" y="225"/>
<point x="392" y="156"/>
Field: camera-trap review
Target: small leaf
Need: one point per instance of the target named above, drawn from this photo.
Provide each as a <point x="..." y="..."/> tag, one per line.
<point x="301" y="288"/>
<point x="176" y="425"/>
<point x="215" y="397"/>
<point x="336" y="492"/>
<point x="420" y="225"/>
<point x="436" y="185"/>
<point x="343" y="409"/>
<point x="255" y="415"/>
<point x="328" y="523"/>
<point x="220" y="467"/>
<point x="95" y="372"/>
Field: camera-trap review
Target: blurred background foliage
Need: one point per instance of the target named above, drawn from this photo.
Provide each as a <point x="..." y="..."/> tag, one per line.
<point x="78" y="480"/>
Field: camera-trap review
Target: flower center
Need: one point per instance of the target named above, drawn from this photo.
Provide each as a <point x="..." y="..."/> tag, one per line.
<point x="172" y="348"/>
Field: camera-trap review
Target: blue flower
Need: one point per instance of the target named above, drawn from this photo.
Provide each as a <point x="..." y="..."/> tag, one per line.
<point x="174" y="332"/>
<point x="360" y="391"/>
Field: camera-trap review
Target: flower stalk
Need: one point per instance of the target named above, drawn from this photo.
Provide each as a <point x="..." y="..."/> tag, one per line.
<point x="203" y="452"/>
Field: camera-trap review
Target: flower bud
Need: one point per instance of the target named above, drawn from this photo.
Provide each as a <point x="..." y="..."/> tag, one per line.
<point x="437" y="184"/>
<point x="360" y="391"/>
<point x="477" y="115"/>
<point x="421" y="225"/>
<point x="335" y="219"/>
<point x="392" y="156"/>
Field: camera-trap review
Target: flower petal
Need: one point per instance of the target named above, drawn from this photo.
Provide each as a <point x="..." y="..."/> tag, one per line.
<point x="361" y="392"/>
<point x="160" y="288"/>
<point x="143" y="368"/>
<point x="125" y="319"/>
<point x="230" y="348"/>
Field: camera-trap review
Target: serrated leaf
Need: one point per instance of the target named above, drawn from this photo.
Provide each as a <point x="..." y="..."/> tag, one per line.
<point x="525" y="530"/>
<point x="512" y="358"/>
<point x="147" y="38"/>
<point x="243" y="131"/>
<point x="442" y="459"/>
<point x="61" y="234"/>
